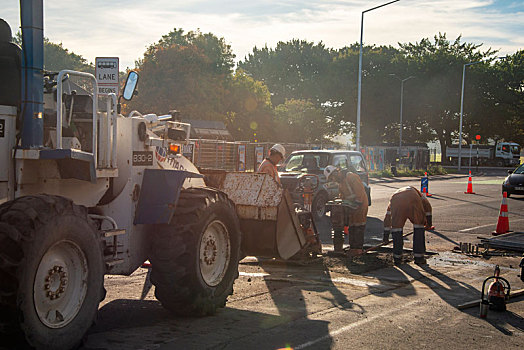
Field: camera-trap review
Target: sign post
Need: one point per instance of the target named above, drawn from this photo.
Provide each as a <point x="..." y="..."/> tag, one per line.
<point x="106" y="72"/>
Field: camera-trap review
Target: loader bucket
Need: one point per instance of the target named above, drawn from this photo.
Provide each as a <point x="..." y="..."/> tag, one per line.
<point x="269" y="224"/>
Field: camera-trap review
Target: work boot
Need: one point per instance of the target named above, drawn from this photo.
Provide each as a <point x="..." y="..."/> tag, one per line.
<point x="354" y="252"/>
<point x="420" y="260"/>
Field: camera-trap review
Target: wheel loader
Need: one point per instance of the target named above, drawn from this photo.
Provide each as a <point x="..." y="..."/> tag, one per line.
<point x="86" y="191"/>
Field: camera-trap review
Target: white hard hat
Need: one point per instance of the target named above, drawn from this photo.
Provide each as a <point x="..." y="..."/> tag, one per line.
<point x="329" y="170"/>
<point x="279" y="148"/>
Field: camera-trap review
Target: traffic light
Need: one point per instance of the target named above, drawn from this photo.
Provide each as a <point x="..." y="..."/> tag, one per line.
<point x="477" y="137"/>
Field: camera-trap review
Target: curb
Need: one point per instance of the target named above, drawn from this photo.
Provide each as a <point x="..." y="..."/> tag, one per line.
<point x="414" y="178"/>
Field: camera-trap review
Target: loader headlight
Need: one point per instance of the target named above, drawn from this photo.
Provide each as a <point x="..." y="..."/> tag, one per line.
<point x="174" y="148"/>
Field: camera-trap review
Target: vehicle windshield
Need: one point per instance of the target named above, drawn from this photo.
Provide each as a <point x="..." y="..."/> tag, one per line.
<point x="515" y="149"/>
<point x="315" y="162"/>
<point x="519" y="170"/>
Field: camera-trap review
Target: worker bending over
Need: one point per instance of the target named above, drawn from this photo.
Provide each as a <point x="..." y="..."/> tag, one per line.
<point x="269" y="165"/>
<point x="408" y="203"/>
<point x="350" y="188"/>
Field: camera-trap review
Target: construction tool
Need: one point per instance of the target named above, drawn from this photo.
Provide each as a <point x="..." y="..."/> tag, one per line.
<point x="497" y="296"/>
<point x="473" y="303"/>
<point x="384" y="243"/>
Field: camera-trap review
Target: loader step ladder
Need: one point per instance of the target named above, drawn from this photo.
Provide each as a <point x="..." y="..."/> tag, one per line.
<point x="111" y="259"/>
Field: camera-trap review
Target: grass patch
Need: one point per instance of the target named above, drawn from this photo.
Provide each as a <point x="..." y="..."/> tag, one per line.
<point x="406" y="172"/>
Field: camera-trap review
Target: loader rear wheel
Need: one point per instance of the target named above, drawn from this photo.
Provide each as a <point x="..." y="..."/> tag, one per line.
<point x="195" y="259"/>
<point x="51" y="269"/>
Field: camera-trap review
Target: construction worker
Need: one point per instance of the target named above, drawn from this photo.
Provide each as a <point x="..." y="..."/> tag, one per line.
<point x="269" y="165"/>
<point x="408" y="203"/>
<point x="350" y="188"/>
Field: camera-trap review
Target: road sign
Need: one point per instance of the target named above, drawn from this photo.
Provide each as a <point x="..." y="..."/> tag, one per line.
<point x="106" y="72"/>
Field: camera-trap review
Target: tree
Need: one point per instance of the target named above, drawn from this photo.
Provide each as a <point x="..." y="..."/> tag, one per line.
<point x="250" y="113"/>
<point x="295" y="69"/>
<point x="299" y="121"/>
<point x="437" y="89"/>
<point x="57" y="58"/>
<point x="189" y="72"/>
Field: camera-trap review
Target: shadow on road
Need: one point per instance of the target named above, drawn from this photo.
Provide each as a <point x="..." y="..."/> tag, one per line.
<point x="449" y="290"/>
<point x="443" y="236"/>
<point x="290" y="298"/>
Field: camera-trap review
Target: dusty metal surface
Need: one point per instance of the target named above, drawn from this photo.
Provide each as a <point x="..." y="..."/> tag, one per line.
<point x="510" y="241"/>
<point x="256" y="189"/>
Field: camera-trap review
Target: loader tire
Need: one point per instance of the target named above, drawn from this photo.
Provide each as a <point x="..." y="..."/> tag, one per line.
<point x="51" y="271"/>
<point x="195" y="259"/>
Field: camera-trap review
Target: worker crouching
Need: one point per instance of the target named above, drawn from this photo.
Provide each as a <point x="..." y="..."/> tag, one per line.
<point x="408" y="203"/>
<point x="345" y="220"/>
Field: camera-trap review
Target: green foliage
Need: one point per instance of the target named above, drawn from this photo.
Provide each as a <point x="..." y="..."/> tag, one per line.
<point x="406" y="172"/>
<point x="294" y="69"/>
<point x="300" y="121"/>
<point x="250" y="114"/>
<point x="188" y="72"/>
<point x="57" y="58"/>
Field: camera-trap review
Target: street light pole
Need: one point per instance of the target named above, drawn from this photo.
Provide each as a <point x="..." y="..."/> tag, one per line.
<point x="462" y="110"/>
<point x="462" y="107"/>
<point x="401" y="109"/>
<point x="359" y="93"/>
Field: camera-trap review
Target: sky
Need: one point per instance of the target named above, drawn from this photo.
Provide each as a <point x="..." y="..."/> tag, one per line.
<point x="125" y="28"/>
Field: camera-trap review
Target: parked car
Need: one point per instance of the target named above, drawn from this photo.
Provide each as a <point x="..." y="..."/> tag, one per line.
<point x="314" y="162"/>
<point x="514" y="183"/>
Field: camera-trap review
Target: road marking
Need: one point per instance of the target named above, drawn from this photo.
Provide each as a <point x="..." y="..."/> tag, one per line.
<point x="342" y="280"/>
<point x="356" y="324"/>
<point x="482" y="226"/>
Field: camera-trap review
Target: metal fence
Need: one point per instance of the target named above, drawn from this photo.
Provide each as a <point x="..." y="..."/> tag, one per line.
<point x="247" y="156"/>
<point x="239" y="155"/>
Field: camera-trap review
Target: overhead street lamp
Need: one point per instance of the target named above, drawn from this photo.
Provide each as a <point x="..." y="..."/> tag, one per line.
<point x="360" y="69"/>
<point x="462" y="108"/>
<point x="401" y="104"/>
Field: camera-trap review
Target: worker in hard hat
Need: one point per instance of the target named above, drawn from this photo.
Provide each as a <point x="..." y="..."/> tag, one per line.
<point x="408" y="203"/>
<point x="350" y="188"/>
<point x="269" y="165"/>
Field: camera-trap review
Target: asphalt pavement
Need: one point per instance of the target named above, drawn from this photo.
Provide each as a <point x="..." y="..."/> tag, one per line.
<point x="340" y="303"/>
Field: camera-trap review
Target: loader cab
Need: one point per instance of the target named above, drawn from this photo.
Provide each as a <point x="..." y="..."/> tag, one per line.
<point x="10" y="68"/>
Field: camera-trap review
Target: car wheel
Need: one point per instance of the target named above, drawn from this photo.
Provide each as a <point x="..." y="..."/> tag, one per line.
<point x="318" y="207"/>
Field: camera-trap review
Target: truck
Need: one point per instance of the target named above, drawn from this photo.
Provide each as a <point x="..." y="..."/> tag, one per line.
<point x="86" y="191"/>
<point x="502" y="154"/>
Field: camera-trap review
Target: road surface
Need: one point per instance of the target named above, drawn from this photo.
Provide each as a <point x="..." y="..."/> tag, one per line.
<point x="338" y="303"/>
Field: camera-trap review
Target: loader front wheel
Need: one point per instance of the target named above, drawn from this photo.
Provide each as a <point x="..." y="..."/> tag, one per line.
<point x="51" y="269"/>
<point x="195" y="259"/>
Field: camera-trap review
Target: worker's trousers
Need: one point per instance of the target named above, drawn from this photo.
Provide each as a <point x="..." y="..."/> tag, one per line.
<point x="419" y="242"/>
<point x="340" y="219"/>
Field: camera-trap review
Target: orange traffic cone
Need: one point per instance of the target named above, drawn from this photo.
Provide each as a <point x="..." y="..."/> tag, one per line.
<point x="470" y="185"/>
<point x="503" y="223"/>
